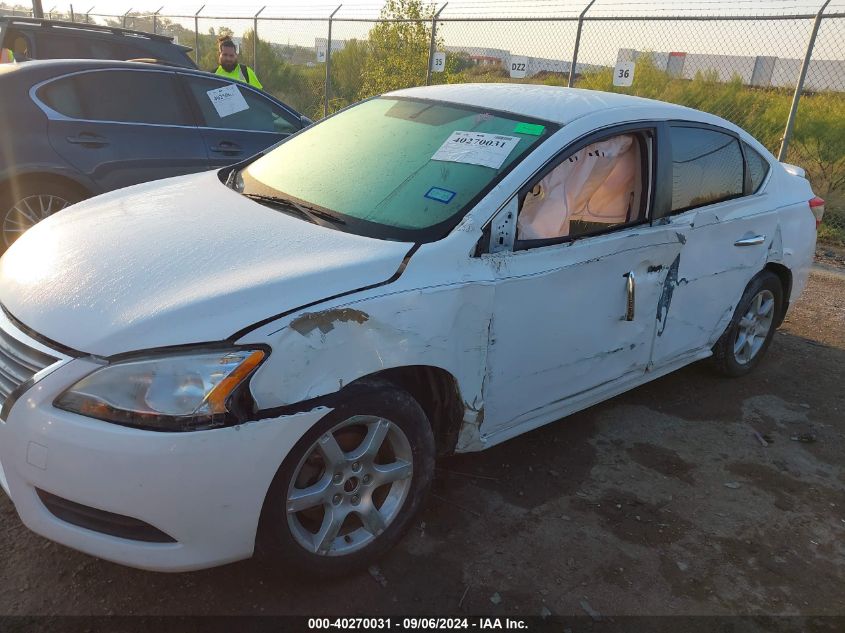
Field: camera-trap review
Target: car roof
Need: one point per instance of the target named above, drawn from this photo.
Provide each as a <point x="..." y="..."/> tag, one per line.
<point x="83" y="28"/>
<point x="549" y="103"/>
<point x="50" y="67"/>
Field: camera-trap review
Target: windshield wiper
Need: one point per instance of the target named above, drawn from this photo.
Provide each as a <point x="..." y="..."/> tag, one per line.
<point x="315" y="216"/>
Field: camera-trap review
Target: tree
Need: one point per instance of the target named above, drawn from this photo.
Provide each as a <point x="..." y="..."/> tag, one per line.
<point x="398" y="51"/>
<point x="348" y="68"/>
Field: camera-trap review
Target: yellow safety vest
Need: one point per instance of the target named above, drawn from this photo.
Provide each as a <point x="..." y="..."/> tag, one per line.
<point x="237" y="75"/>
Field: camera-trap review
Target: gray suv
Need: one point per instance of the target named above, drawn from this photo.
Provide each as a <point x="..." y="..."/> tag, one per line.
<point x="31" y="38"/>
<point x="77" y="128"/>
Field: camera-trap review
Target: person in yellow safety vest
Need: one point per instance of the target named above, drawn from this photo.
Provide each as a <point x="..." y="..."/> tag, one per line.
<point x="229" y="66"/>
<point x="6" y="56"/>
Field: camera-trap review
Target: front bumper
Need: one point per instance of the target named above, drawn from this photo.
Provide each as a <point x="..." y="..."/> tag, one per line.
<point x="205" y="489"/>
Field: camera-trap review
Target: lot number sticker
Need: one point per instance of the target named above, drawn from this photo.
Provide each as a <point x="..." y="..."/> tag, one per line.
<point x="438" y="62"/>
<point x="623" y="74"/>
<point x="519" y="67"/>
<point x="227" y="100"/>
<point x="476" y="148"/>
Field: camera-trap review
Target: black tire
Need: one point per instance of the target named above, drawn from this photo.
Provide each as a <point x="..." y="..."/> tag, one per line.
<point x="16" y="216"/>
<point x="279" y="542"/>
<point x="726" y="359"/>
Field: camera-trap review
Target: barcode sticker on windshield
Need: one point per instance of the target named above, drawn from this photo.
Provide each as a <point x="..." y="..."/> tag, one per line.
<point x="476" y="148"/>
<point x="227" y="100"/>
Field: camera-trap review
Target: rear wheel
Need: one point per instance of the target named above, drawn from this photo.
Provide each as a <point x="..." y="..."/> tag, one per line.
<point x="25" y="206"/>
<point x="750" y="332"/>
<point x="351" y="486"/>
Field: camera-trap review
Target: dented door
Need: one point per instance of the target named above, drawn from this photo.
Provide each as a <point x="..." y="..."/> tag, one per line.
<point x="726" y="245"/>
<point x="559" y="328"/>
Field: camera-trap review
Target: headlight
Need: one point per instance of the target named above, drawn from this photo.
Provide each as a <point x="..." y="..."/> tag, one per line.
<point x="169" y="393"/>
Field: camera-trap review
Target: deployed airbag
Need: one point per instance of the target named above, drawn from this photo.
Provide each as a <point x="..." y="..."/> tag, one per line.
<point x="595" y="184"/>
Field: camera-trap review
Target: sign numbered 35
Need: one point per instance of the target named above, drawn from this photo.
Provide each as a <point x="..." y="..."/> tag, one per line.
<point x="438" y="62"/>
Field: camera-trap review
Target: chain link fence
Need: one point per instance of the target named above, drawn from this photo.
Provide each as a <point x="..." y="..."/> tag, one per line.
<point x="775" y="68"/>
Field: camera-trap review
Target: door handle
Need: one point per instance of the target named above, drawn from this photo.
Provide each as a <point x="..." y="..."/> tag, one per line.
<point x="630" y="290"/>
<point x="91" y="140"/>
<point x="754" y="240"/>
<point x="226" y="147"/>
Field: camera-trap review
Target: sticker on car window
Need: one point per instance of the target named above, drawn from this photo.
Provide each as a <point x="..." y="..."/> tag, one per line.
<point x="227" y="100"/>
<point x="441" y="195"/>
<point x="529" y="128"/>
<point x="476" y="148"/>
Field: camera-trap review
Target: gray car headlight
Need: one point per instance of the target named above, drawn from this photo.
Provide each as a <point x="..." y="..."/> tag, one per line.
<point x="167" y="393"/>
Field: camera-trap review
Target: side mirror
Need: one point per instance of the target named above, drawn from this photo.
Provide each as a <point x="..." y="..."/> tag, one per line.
<point x="503" y="227"/>
<point x="305" y="121"/>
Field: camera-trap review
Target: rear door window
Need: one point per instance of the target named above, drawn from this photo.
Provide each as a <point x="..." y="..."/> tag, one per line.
<point x="707" y="167"/>
<point x="260" y="115"/>
<point x="124" y="96"/>
<point x="118" y="95"/>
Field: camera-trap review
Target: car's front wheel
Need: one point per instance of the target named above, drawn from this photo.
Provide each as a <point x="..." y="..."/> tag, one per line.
<point x="351" y="486"/>
<point x="752" y="327"/>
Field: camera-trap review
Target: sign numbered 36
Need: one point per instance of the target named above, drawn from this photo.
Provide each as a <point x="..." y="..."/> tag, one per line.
<point x="623" y="74"/>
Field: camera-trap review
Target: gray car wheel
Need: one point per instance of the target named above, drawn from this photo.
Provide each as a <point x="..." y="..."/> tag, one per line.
<point x="348" y="490"/>
<point x="752" y="327"/>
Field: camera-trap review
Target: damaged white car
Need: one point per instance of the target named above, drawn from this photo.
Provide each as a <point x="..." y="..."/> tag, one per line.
<point x="269" y="358"/>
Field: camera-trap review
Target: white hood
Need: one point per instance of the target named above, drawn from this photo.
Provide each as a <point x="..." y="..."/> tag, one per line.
<point x="179" y="261"/>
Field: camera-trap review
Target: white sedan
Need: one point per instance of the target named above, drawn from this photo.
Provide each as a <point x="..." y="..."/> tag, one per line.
<point x="268" y="358"/>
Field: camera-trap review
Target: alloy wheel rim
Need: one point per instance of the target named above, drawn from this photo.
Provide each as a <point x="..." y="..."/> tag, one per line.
<point x="350" y="486"/>
<point x="754" y="327"/>
<point x="28" y="212"/>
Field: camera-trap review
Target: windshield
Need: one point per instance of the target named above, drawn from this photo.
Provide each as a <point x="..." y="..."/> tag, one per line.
<point x="394" y="168"/>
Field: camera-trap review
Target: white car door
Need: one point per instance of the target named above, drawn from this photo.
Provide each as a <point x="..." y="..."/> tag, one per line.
<point x="729" y="232"/>
<point x="574" y="316"/>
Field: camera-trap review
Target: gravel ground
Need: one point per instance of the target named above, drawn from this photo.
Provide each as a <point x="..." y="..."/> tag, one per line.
<point x="660" y="501"/>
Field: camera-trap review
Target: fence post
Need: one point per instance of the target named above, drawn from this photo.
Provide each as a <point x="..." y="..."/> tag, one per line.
<point x="799" y="87"/>
<point x="255" y="40"/>
<point x="197" y="35"/>
<point x="124" y="18"/>
<point x="88" y="15"/>
<point x="329" y="65"/>
<point x="433" y="43"/>
<point x="155" y="19"/>
<point x="572" y="69"/>
<point x="72" y="16"/>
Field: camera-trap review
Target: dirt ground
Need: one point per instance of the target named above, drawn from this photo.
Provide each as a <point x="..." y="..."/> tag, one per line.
<point x="830" y="256"/>
<point x="660" y="501"/>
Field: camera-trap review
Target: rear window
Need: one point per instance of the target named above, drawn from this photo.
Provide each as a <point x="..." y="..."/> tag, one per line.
<point x="52" y="45"/>
<point x="397" y="168"/>
<point x="119" y="96"/>
<point x="758" y="167"/>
